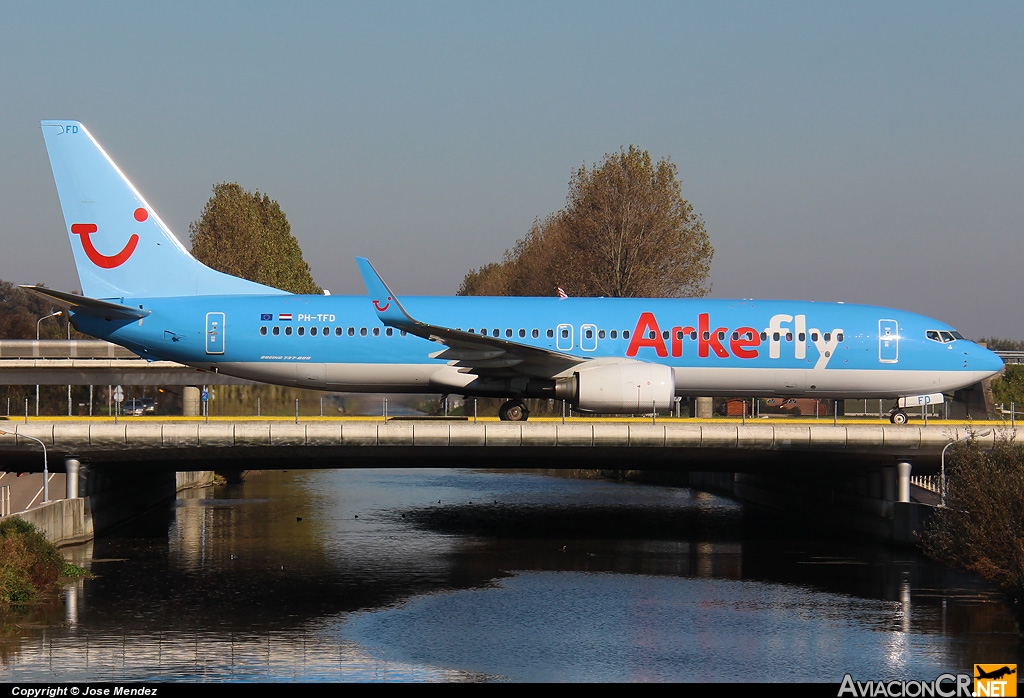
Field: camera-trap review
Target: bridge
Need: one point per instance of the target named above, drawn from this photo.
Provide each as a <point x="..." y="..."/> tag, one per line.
<point x="854" y="472"/>
<point x="94" y="362"/>
<point x="266" y="444"/>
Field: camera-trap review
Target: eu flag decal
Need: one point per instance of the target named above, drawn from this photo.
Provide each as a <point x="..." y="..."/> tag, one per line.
<point x="266" y="317"/>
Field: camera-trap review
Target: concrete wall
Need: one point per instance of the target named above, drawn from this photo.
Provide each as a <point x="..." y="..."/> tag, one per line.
<point x="63" y="521"/>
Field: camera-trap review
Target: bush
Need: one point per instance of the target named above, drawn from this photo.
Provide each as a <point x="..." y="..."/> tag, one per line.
<point x="29" y="564"/>
<point x="981" y="529"/>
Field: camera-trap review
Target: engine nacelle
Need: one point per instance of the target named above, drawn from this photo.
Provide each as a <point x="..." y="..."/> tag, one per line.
<point x="634" y="387"/>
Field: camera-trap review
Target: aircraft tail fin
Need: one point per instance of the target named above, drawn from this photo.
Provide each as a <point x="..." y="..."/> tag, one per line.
<point x="121" y="246"/>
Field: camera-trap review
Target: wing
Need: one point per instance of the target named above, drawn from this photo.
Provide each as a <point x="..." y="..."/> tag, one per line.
<point x="478" y="353"/>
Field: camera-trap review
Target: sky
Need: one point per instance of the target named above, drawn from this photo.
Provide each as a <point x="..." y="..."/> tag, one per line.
<point x="868" y="152"/>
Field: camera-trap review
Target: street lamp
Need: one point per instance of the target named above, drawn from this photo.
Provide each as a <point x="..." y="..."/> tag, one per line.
<point x="46" y="470"/>
<point x="47" y="317"/>
<point x="943" y="457"/>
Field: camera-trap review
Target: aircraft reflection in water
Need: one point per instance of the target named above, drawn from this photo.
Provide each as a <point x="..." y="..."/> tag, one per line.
<point x="143" y="290"/>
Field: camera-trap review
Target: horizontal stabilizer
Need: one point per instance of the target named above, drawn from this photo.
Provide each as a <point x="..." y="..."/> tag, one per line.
<point x="90" y="306"/>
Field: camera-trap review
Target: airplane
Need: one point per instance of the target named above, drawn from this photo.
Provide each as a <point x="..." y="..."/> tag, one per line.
<point x="995" y="673"/>
<point x="143" y="290"/>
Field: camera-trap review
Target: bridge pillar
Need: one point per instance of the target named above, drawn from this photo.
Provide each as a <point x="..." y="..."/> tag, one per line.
<point x="704" y="408"/>
<point x="904" y="469"/>
<point x="874" y="482"/>
<point x="72" y="466"/>
<point x="190" y="401"/>
<point x="888" y="483"/>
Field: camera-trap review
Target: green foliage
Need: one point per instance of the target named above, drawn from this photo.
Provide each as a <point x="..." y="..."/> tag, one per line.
<point x="982" y="527"/>
<point x="29" y="564"/>
<point x="1008" y="387"/>
<point x="19" y="312"/>
<point x="626" y="231"/>
<point x="999" y="344"/>
<point x="246" y="234"/>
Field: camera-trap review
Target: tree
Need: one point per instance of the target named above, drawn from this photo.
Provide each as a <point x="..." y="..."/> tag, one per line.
<point x="626" y="231"/>
<point x="982" y="527"/>
<point x="246" y="234"/>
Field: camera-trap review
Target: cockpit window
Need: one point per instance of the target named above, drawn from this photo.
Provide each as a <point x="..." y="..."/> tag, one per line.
<point x="943" y="336"/>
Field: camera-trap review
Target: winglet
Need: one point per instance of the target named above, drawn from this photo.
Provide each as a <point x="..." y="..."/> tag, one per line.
<point x="389" y="309"/>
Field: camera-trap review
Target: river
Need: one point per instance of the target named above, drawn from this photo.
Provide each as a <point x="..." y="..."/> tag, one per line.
<point x="476" y="575"/>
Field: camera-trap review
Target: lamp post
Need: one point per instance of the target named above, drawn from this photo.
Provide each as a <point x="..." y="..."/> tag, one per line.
<point x="943" y="457"/>
<point x="46" y="317"/>
<point x="46" y="470"/>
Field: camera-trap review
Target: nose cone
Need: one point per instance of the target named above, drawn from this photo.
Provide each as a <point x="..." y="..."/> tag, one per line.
<point x="981" y="359"/>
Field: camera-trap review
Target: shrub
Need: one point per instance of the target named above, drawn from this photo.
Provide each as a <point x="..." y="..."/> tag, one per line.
<point x="29" y="564"/>
<point x="981" y="529"/>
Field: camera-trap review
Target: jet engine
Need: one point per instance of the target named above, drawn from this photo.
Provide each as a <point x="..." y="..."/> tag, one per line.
<point x="619" y="388"/>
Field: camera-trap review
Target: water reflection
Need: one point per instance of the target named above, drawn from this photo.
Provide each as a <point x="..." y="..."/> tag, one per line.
<point x="471" y="575"/>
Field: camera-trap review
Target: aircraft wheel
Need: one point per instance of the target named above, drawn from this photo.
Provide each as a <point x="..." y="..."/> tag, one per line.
<point x="513" y="411"/>
<point x="898" y="417"/>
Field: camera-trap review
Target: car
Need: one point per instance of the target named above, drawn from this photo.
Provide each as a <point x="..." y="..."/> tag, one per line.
<point x="137" y="407"/>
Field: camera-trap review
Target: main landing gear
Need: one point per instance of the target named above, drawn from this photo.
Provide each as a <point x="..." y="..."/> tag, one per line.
<point x="898" y="417"/>
<point x="513" y="411"/>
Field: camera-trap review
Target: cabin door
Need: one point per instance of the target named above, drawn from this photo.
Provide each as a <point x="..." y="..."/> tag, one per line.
<point x="888" y="341"/>
<point x="215" y="333"/>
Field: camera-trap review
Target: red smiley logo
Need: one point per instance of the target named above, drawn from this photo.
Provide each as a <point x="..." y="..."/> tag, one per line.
<point x="85" y="230"/>
<point x="386" y="305"/>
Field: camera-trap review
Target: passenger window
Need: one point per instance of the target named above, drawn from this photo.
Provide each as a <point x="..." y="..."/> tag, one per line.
<point x="389" y="331"/>
<point x="550" y="333"/>
<point x="625" y="334"/>
<point x="789" y="336"/>
<point x="828" y="336"/>
<point x="337" y="331"/>
<point x="312" y="332"/>
<point x="775" y="336"/>
<point x="508" y="332"/>
<point x="707" y="336"/>
<point x="802" y="337"/>
<point x="403" y="333"/>
<point x="589" y="334"/>
<point x="839" y="336"/>
<point x="471" y="330"/>
<point x="376" y="332"/>
<point x="814" y="336"/>
<point x="522" y="332"/>
<point x="693" y="335"/>
<point x="263" y="331"/>
<point x="288" y="330"/>
<point x="535" y="334"/>
<point x="302" y="330"/>
<point x="496" y="332"/>
<point x="651" y="334"/>
<point x="276" y="331"/>
<point x="351" y="331"/>
<point x="565" y="334"/>
<point x="600" y="334"/>
<point x="721" y="336"/>
<point x="362" y="331"/>
<point x="326" y="331"/>
<point x="764" y="336"/>
<point x="615" y="334"/>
